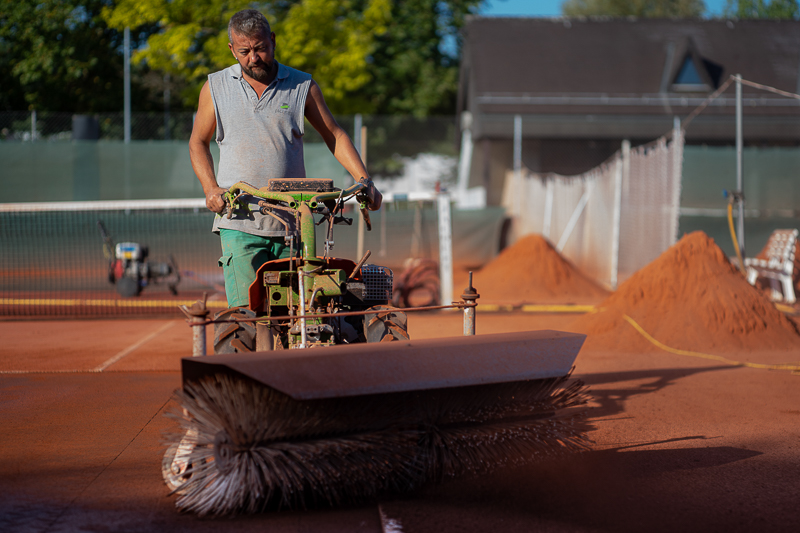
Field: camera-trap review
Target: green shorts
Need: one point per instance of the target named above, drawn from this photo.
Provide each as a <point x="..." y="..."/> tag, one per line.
<point x="242" y="255"/>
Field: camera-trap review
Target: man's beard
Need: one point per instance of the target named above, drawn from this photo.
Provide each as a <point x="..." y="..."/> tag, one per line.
<point x="259" y="73"/>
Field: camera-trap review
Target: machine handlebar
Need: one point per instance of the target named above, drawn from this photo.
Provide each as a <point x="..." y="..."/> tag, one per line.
<point x="293" y="199"/>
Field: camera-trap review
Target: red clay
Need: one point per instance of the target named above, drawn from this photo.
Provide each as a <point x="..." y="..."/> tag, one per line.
<point x="532" y="271"/>
<point x="681" y="444"/>
<point x="690" y="298"/>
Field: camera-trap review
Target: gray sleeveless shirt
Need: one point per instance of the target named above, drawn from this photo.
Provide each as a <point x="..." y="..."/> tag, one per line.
<point x="259" y="139"/>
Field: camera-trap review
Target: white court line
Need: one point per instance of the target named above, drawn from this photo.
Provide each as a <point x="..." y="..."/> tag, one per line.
<point x="134" y="346"/>
<point x="389" y="525"/>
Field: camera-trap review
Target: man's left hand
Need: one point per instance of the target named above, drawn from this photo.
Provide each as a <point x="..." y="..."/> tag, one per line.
<point x="374" y="196"/>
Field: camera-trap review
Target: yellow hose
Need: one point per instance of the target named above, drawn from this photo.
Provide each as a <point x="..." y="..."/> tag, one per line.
<point x="795" y="369"/>
<point x="735" y="240"/>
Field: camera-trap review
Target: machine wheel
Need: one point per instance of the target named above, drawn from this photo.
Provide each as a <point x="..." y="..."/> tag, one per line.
<point x="175" y="464"/>
<point x="386" y="324"/>
<point x="235" y="337"/>
<point x="128" y="287"/>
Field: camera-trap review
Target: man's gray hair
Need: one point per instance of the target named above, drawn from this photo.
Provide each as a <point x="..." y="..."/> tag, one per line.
<point x="248" y="22"/>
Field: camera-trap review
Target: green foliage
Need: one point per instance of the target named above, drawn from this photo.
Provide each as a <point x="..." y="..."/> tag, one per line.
<point x="331" y="39"/>
<point x="187" y="43"/>
<point x="413" y="72"/>
<point x="762" y="9"/>
<point x="59" y="55"/>
<point x="636" y="8"/>
<point x="369" y="56"/>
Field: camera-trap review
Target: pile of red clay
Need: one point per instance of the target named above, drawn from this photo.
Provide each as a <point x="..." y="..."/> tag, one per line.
<point x="532" y="271"/>
<point x="690" y="298"/>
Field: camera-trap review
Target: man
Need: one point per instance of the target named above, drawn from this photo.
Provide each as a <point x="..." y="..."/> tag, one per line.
<point x="256" y="108"/>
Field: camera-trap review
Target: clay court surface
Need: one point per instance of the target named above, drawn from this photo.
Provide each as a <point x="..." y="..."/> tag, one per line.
<point x="681" y="443"/>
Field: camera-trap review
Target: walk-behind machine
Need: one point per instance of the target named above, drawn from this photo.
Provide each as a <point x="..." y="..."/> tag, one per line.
<point x="129" y="269"/>
<point x="268" y="423"/>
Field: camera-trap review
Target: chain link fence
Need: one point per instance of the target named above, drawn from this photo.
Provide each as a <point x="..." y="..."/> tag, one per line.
<point x="84" y="157"/>
<point x="60" y="127"/>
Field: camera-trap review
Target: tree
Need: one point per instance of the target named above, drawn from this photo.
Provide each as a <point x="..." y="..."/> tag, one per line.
<point x="369" y="56"/>
<point x="762" y="9"/>
<point x="331" y="39"/>
<point x="636" y="8"/>
<point x="59" y="55"/>
<point x="415" y="63"/>
<point x="334" y="42"/>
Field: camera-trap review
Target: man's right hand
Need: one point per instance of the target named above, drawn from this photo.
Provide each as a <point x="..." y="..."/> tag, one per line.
<point x="214" y="201"/>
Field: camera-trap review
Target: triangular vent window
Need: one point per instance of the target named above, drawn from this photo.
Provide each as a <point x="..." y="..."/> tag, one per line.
<point x="688" y="74"/>
<point x="689" y="78"/>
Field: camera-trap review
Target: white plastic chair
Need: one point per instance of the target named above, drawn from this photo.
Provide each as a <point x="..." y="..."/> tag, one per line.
<point x="778" y="265"/>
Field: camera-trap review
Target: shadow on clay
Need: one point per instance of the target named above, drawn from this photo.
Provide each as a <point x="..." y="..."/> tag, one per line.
<point x="608" y="490"/>
<point x="611" y="401"/>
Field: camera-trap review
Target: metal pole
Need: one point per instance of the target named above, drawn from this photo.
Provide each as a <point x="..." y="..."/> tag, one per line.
<point x="518" y="164"/>
<point x="549" y="195"/>
<point x="620" y="173"/>
<point x="518" y="231"/>
<point x="739" y="143"/>
<point x="127" y="83"/>
<point x="470" y="296"/>
<point x="166" y="106"/>
<point x="445" y="248"/>
<point x="198" y="337"/>
<point x="517" y="144"/>
<point x="197" y="315"/>
<point x="677" y="176"/>
<point x="416" y="234"/>
<point x="33" y="125"/>
<point x="301" y="285"/>
<point x="465" y="157"/>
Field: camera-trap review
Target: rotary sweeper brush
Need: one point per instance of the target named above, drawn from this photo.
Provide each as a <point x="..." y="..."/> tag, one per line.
<point x="265" y="424"/>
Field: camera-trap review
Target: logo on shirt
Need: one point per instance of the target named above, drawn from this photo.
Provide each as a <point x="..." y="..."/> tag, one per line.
<point x="285" y="106"/>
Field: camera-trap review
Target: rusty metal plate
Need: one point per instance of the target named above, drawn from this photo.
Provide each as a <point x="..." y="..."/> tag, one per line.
<point x="359" y="369"/>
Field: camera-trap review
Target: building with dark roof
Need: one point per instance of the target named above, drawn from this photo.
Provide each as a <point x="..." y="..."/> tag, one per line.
<point x="581" y="86"/>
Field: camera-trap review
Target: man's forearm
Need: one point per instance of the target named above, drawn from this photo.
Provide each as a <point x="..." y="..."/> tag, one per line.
<point x="343" y="150"/>
<point x="203" y="165"/>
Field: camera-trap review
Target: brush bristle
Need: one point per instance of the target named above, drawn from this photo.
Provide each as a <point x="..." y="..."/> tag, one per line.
<point x="257" y="449"/>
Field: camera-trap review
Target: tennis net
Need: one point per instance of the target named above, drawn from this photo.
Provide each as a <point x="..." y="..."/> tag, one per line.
<point x="109" y="258"/>
<point x="56" y="260"/>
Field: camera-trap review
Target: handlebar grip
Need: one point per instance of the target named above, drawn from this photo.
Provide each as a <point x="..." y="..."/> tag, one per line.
<point x="367" y="221"/>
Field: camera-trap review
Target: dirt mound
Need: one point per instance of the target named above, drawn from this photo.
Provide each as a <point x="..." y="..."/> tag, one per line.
<point x="691" y="298"/>
<point x="532" y="271"/>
